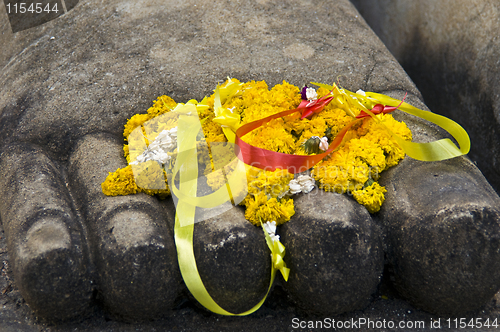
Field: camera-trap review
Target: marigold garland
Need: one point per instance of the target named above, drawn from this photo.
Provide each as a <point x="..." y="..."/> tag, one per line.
<point x="354" y="168"/>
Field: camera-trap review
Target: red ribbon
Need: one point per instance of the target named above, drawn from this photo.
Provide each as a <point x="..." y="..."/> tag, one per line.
<point x="314" y="106"/>
<point x="379" y="108"/>
<point x="271" y="160"/>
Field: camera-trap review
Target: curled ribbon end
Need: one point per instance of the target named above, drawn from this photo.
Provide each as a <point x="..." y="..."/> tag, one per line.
<point x="285" y="272"/>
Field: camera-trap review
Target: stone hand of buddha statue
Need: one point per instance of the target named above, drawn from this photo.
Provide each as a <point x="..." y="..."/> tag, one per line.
<point x="67" y="88"/>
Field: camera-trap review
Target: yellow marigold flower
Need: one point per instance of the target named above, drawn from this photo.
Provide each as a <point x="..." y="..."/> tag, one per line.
<point x="134" y="122"/>
<point x="371" y="197"/>
<point x="154" y="127"/>
<point x="265" y="199"/>
<point x="335" y="118"/>
<point x="161" y="193"/>
<point x="331" y="177"/>
<point x="294" y="125"/>
<point x="285" y="96"/>
<point x="258" y="102"/>
<point x="126" y="153"/>
<point x="225" y="163"/>
<point x="260" y="208"/>
<point x="150" y="177"/>
<point x="272" y="136"/>
<point x="212" y="131"/>
<point x="120" y="182"/>
<point x="399" y="128"/>
<point x="161" y="105"/>
<point x="314" y="127"/>
<point x="351" y="166"/>
<point x="258" y="111"/>
<point x="322" y="92"/>
<point x="273" y="184"/>
<point x="367" y="151"/>
<point x="216" y="179"/>
<point x="378" y="134"/>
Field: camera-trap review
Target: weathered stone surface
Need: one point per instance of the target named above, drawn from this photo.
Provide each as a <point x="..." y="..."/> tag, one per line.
<point x="233" y="260"/>
<point x="132" y="246"/>
<point x="334" y="252"/>
<point x="451" y="50"/>
<point x="445" y="251"/>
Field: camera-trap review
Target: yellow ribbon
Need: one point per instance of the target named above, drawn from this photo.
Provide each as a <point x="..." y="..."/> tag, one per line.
<point x="229" y="121"/>
<point x="433" y="151"/>
<point x="186" y="165"/>
<point x="277" y="253"/>
<point x="230" y="90"/>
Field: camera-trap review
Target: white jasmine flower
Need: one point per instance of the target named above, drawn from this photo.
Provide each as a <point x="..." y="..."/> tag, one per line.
<point x="303" y="183"/>
<point x="323" y="143"/>
<point x="270" y="228"/>
<point x="295" y="187"/>
<point x="158" y="149"/>
<point x="307" y="183"/>
<point x="311" y="94"/>
<point x="275" y="237"/>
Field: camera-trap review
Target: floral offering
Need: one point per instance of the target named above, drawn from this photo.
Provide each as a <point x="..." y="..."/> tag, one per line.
<point x="270" y="145"/>
<point x="354" y="168"/>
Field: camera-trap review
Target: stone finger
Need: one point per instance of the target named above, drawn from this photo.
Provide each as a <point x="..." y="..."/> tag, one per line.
<point x="442" y="225"/>
<point x="233" y="260"/>
<point x="132" y="244"/>
<point x="46" y="239"/>
<point x="334" y="251"/>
